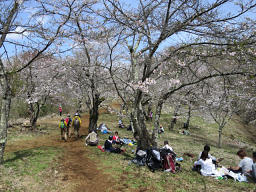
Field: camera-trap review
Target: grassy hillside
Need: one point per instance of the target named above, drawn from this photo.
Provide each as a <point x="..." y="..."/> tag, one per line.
<point x="38" y="161"/>
<point x="132" y="178"/>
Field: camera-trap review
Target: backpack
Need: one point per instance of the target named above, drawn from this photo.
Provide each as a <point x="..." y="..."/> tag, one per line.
<point x="62" y="125"/>
<point x="68" y="121"/>
<point x="76" y="122"/>
<point x="169" y="163"/>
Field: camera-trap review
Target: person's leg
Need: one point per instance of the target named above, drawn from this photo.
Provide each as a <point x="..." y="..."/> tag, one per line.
<point x="69" y="131"/>
<point x="61" y="133"/>
<point x="93" y="143"/>
<point x="78" y="135"/>
<point x="65" y="134"/>
<point x="236" y="171"/>
<point x="197" y="168"/>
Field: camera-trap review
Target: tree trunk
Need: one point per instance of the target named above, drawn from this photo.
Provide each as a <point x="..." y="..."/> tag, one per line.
<point x="189" y="116"/>
<point x="174" y="119"/>
<point x="157" y="120"/>
<point x="94" y="113"/>
<point x="34" y="113"/>
<point x="144" y="140"/>
<point x="145" y="112"/>
<point x="149" y="108"/>
<point x="220" y="136"/>
<point x="80" y="105"/>
<point x="5" y="109"/>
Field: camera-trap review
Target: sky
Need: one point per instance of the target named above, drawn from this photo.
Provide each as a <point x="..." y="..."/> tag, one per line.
<point x="44" y="20"/>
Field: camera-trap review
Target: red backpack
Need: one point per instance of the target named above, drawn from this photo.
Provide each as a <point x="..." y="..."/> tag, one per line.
<point x="169" y="163"/>
<point x="67" y="120"/>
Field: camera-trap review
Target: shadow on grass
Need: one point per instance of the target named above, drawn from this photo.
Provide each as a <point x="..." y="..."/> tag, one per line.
<point x="28" y="153"/>
<point x="128" y="156"/>
<point x="21" y="155"/>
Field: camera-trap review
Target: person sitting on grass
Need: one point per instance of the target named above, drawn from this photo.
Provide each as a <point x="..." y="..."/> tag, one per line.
<point x="120" y="123"/>
<point x="104" y="129"/>
<point x="91" y="139"/>
<point x="161" y="129"/>
<point x="108" y="146"/>
<point x="207" y="148"/>
<point x="116" y="139"/>
<point x="167" y="146"/>
<point x="206" y="165"/>
<point x="245" y="165"/>
<point x="253" y="172"/>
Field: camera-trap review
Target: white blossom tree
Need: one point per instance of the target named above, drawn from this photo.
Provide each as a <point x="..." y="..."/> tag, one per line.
<point x="26" y="26"/>
<point x="149" y="26"/>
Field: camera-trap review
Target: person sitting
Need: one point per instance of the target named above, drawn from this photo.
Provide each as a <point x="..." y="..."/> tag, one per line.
<point x="129" y="128"/>
<point x="104" y="129"/>
<point x="120" y="124"/>
<point x="167" y="146"/>
<point x="108" y="146"/>
<point x="116" y="139"/>
<point x="207" y="148"/>
<point x="253" y="172"/>
<point x="206" y="165"/>
<point x="161" y="129"/>
<point x="245" y="165"/>
<point x="92" y="139"/>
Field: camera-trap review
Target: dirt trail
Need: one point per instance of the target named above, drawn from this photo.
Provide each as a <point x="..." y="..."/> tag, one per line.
<point x="76" y="167"/>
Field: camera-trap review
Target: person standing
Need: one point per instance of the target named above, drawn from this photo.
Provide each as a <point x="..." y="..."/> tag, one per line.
<point x="63" y="129"/>
<point x="76" y="122"/>
<point x="68" y="121"/>
<point x="60" y="110"/>
<point x="151" y="115"/>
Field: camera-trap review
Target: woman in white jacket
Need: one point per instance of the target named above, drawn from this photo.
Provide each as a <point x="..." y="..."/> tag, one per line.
<point x="207" y="166"/>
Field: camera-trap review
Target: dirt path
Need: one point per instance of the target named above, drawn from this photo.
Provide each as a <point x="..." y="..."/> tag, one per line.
<point x="76" y="169"/>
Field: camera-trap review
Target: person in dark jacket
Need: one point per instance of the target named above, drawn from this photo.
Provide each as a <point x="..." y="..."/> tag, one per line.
<point x="108" y="146"/>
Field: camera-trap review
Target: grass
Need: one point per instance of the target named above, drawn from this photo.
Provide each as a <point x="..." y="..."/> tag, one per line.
<point x="27" y="170"/>
<point x="129" y="177"/>
<point x="31" y="161"/>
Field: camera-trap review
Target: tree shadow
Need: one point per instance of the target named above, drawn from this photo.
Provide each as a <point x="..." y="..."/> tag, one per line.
<point x="21" y="155"/>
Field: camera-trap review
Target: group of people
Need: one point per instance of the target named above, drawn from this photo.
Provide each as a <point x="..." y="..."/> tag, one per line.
<point x="206" y="164"/>
<point x="92" y="140"/>
<point x="66" y="124"/>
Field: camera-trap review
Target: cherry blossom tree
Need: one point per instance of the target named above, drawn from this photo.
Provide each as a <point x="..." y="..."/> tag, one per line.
<point x="150" y="25"/>
<point x="26" y="26"/>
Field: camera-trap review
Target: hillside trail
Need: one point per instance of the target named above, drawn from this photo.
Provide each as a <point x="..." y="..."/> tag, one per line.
<point x="75" y="167"/>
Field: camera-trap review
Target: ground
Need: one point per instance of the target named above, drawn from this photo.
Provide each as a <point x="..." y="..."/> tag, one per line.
<point x="65" y="165"/>
<point x="42" y="162"/>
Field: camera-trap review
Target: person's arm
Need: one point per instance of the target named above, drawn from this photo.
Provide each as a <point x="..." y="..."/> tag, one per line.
<point x="212" y="157"/>
<point x="87" y="137"/>
<point x="235" y="168"/>
<point x="199" y="156"/>
<point x="199" y="162"/>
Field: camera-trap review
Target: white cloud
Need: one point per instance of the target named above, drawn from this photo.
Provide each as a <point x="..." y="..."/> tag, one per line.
<point x="18" y="33"/>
